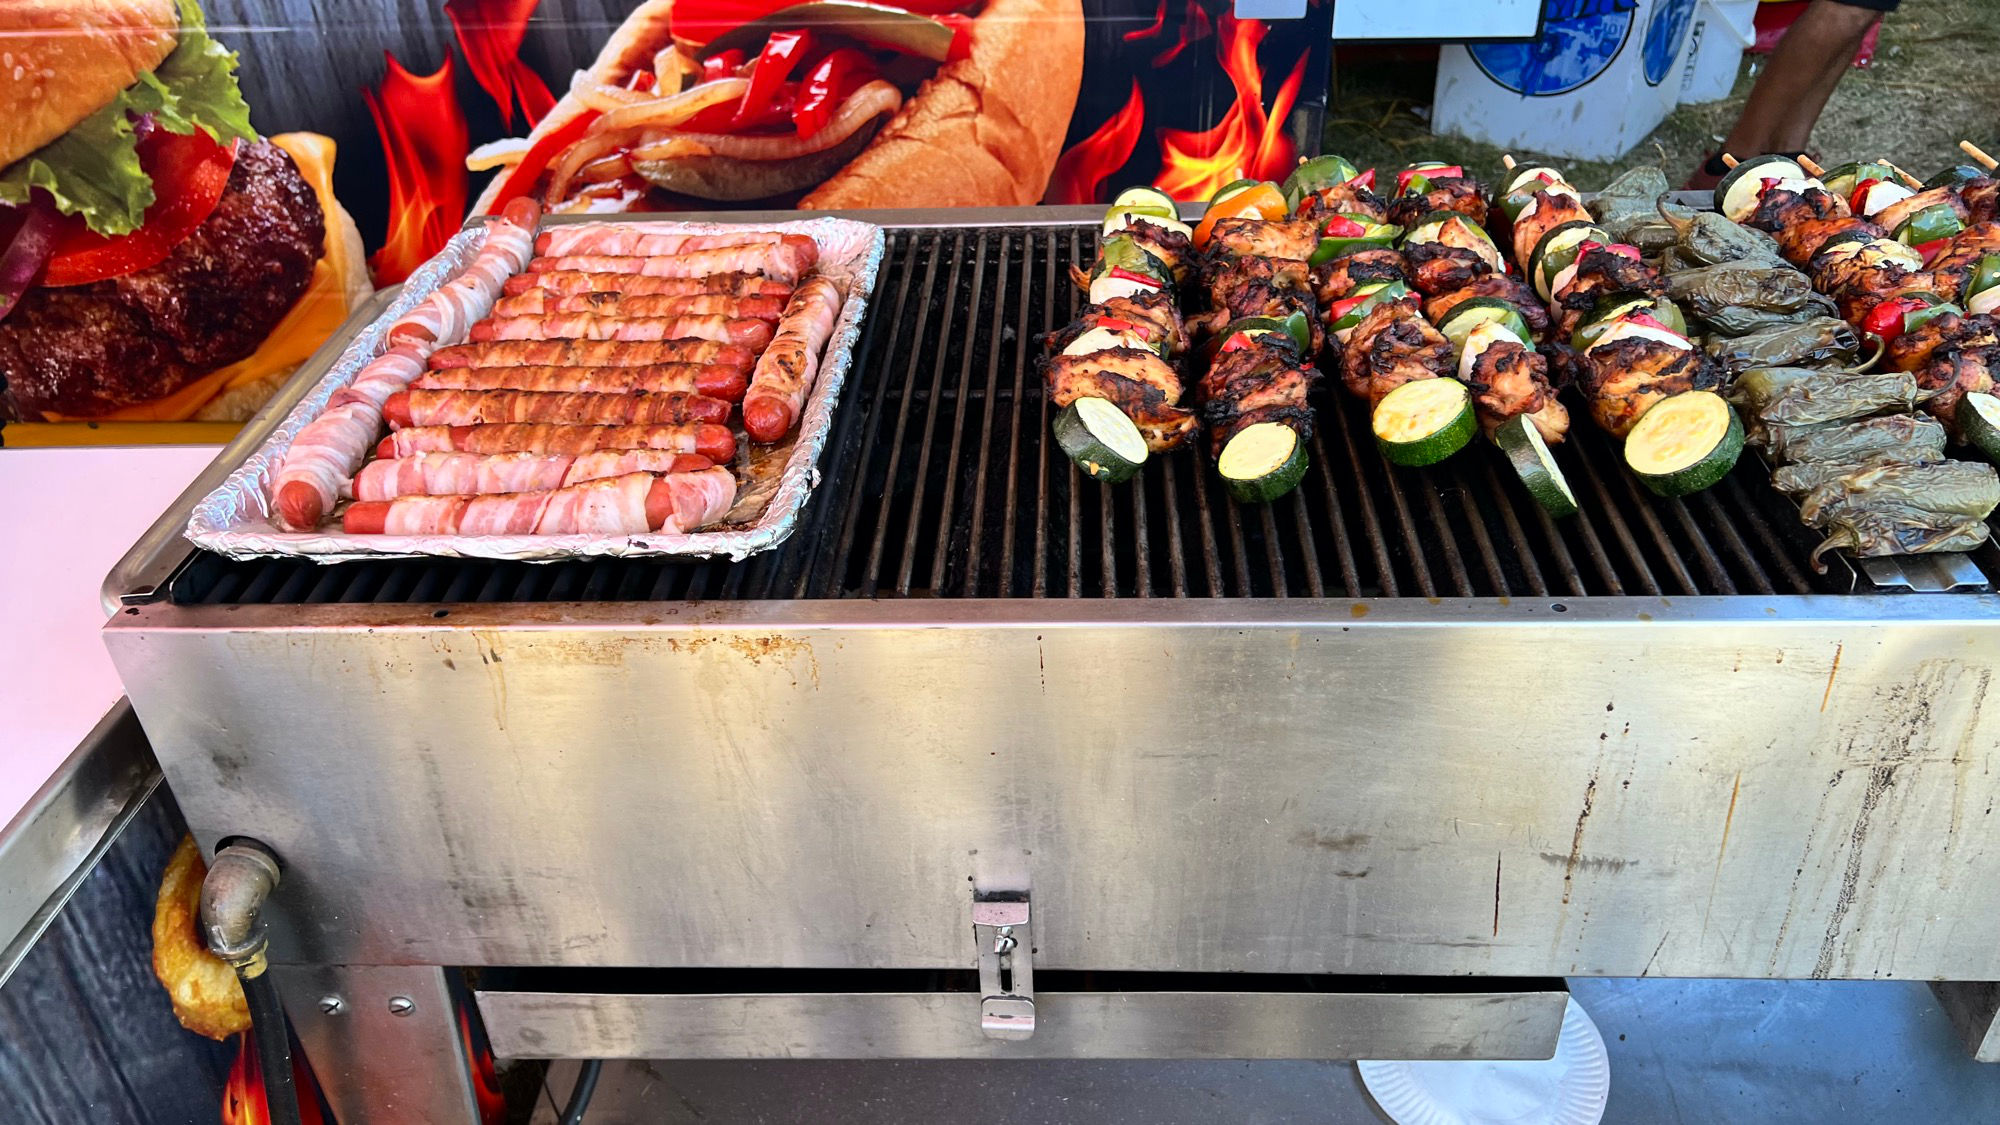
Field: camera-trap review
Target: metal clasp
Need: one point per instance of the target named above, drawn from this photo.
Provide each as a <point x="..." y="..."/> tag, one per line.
<point x="1004" y="940"/>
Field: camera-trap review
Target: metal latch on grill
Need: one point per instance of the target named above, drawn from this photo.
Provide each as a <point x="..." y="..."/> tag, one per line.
<point x="1001" y="934"/>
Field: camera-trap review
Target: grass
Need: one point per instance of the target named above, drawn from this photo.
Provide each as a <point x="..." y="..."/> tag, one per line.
<point x="1933" y="83"/>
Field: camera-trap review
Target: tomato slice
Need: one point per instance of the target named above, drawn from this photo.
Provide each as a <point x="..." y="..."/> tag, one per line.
<point x="189" y="175"/>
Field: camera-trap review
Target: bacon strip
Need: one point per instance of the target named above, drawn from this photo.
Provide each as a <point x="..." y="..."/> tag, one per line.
<point x="632" y="504"/>
<point x="543" y="302"/>
<point x="445" y="474"/>
<point x="787" y="261"/>
<point x="787" y="369"/>
<point x="471" y="408"/>
<point x="568" y="282"/>
<point x="591" y="353"/>
<point x="714" y="442"/>
<point x="639" y="239"/>
<point x="713" y="380"/>
<point x="753" y="334"/>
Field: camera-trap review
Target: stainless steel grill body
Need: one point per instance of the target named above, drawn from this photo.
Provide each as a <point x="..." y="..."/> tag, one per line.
<point x="1396" y="724"/>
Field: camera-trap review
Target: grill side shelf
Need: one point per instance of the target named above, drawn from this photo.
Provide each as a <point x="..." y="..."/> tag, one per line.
<point x="940" y="481"/>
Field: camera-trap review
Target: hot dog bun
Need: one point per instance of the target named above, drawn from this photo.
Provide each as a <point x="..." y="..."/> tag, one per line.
<point x="983" y="131"/>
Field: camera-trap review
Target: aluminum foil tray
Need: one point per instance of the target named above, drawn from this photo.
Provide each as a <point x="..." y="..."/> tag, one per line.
<point x="774" y="481"/>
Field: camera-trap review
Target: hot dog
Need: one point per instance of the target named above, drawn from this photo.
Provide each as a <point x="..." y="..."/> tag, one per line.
<point x="786" y="370"/>
<point x="641" y="239"/>
<point x="786" y="261"/>
<point x="713" y="380"/>
<point x="753" y="334"/>
<point x="632" y="504"/>
<point x="543" y="302"/>
<point x="456" y="304"/>
<point x="591" y="353"/>
<point x="714" y="442"/>
<point x="448" y="474"/>
<point x="566" y="282"/>
<point x="469" y="408"/>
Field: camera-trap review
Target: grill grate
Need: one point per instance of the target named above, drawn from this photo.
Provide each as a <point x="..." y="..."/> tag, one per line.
<point x="941" y="481"/>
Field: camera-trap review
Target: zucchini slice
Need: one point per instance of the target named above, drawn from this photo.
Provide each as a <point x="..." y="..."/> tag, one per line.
<point x="1610" y="310"/>
<point x="1518" y="438"/>
<point x="1956" y="174"/>
<point x="1233" y="187"/>
<point x="1736" y="196"/>
<point x="1466" y="317"/>
<point x="1262" y="462"/>
<point x="1685" y="443"/>
<point x="1424" y="421"/>
<point x="1979" y="420"/>
<point x="1844" y="179"/>
<point x="1558" y="250"/>
<point x="1100" y="439"/>
<point x="1147" y="198"/>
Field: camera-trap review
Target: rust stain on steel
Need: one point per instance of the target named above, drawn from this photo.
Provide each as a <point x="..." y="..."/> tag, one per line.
<point x="1576" y="840"/>
<point x="1575" y="862"/>
<point x="1830" y="674"/>
<point x="1721" y="850"/>
<point x="1357" y="611"/>
<point x="755" y="649"/>
<point x="1496" y="894"/>
<point x="1879" y="780"/>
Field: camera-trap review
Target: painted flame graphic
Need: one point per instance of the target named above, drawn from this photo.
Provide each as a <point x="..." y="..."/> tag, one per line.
<point x="490" y="33"/>
<point x="1080" y="173"/>
<point x="1249" y="140"/>
<point x="243" y="1091"/>
<point x="425" y="139"/>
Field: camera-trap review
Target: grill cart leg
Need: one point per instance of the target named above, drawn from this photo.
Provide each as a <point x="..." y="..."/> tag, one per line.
<point x="383" y="1040"/>
<point x="1974" y="1010"/>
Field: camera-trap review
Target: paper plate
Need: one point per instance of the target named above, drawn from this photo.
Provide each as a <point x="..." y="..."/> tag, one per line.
<point x="1569" y="1089"/>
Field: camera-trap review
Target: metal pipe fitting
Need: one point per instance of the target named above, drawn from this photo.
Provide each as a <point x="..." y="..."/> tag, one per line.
<point x="242" y="876"/>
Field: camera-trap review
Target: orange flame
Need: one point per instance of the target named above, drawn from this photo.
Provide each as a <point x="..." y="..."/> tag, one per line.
<point x="1248" y="141"/>
<point x="1081" y="172"/>
<point x="485" y="1079"/>
<point x="243" y="1100"/>
<point x="490" y="33"/>
<point x="1151" y="29"/>
<point x="425" y="139"/>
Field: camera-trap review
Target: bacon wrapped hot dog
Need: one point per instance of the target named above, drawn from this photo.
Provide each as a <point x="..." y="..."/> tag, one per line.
<point x="752" y="334"/>
<point x="467" y="408"/>
<point x="544" y="302"/>
<point x="713" y="380"/>
<point x="569" y="282"/>
<point x="714" y="442"/>
<point x="591" y="353"/>
<point x="633" y="504"/>
<point x="452" y="474"/>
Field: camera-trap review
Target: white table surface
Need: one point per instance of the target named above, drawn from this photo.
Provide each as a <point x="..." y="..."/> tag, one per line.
<point x="68" y="516"/>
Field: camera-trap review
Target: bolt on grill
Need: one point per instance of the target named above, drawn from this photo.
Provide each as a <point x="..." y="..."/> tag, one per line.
<point x="940" y="481"/>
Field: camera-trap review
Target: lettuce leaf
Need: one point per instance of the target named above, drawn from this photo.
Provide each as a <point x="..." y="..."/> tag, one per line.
<point x="93" y="170"/>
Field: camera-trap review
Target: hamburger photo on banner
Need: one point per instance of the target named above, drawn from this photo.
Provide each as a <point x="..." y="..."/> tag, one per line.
<point x="159" y="260"/>
<point x="824" y="104"/>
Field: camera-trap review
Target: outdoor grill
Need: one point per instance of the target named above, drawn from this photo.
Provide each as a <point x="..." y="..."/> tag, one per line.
<point x="1237" y="781"/>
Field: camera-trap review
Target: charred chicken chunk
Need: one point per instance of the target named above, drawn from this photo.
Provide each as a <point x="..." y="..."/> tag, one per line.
<point x="1800" y="241"/>
<point x="1339" y="278"/>
<point x="1243" y="238"/>
<point x="1436" y="268"/>
<point x="1344" y="199"/>
<point x="1153" y="313"/>
<point x="1392" y="345"/>
<point x="1543" y="213"/>
<point x="1504" y="286"/>
<point x="1955" y="265"/>
<point x="1275" y="287"/>
<point x="1138" y="382"/>
<point x="1262" y="381"/>
<point x="1447" y="193"/>
<point x="1623" y="378"/>
<point x="1507" y="379"/>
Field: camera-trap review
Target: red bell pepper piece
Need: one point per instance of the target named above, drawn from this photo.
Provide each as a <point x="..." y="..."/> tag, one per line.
<point x="1236" y="343"/>
<point x="1365" y="181"/>
<point x="521" y="179"/>
<point x="1932" y="248"/>
<point x="1116" y="325"/>
<point x="1340" y="226"/>
<point x="1128" y="275"/>
<point x="1886" y="318"/>
<point x="1855" y="200"/>
<point x="699" y="21"/>
<point x="1404" y="177"/>
<point x="782" y="54"/>
<point x="827" y="85"/>
<point x="724" y="65"/>
<point x="1648" y="321"/>
<point x="189" y="175"/>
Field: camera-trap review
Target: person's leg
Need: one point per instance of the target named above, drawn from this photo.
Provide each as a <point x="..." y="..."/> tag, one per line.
<point x="1805" y="67"/>
<point x="1794" y="87"/>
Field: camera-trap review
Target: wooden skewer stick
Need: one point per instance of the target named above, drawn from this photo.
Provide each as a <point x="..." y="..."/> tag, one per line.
<point x="1507" y="161"/>
<point x="1811" y="166"/>
<point x="1979" y="154"/>
<point x="1729" y="161"/>
<point x="1909" y="181"/>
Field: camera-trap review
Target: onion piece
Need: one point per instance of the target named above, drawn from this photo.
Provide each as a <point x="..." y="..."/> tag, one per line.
<point x="602" y="96"/>
<point x="503" y="153"/>
<point x="671" y="70"/>
<point x="866" y="103"/>
<point x="27" y="253"/>
<point x="615" y="130"/>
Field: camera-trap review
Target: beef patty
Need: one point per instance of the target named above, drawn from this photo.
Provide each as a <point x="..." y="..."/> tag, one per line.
<point x="86" y="350"/>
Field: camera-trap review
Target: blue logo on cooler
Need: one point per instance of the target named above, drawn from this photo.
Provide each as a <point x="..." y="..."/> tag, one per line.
<point x="1579" y="40"/>
<point x="1664" y="35"/>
